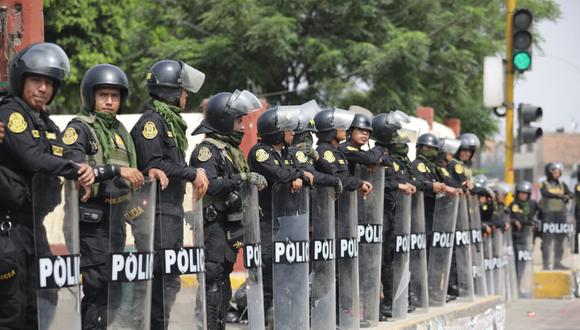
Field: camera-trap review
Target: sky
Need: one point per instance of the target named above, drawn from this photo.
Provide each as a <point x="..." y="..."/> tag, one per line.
<point x="554" y="82"/>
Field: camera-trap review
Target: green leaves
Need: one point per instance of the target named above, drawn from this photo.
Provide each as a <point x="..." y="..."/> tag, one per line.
<point x="380" y="54"/>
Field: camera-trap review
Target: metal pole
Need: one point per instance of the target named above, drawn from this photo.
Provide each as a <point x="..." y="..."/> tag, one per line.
<point x="509" y="95"/>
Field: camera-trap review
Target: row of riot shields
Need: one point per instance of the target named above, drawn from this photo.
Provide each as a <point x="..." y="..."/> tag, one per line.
<point x="130" y="260"/>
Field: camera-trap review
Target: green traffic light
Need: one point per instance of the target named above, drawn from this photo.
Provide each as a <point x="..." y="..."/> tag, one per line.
<point x="522" y="61"/>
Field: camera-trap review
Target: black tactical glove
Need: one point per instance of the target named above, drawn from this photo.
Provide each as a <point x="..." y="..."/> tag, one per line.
<point x="255" y="179"/>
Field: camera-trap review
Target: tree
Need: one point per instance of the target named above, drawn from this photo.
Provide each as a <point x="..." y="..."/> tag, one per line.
<point x="380" y="54"/>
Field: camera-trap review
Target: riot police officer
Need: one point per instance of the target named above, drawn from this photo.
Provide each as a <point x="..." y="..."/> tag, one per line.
<point x="96" y="137"/>
<point x="269" y="157"/>
<point x="160" y="142"/>
<point x="523" y="211"/>
<point x="460" y="166"/>
<point x="357" y="136"/>
<point x="31" y="145"/>
<point x="332" y="125"/>
<point x="220" y="156"/>
<point x="555" y="197"/>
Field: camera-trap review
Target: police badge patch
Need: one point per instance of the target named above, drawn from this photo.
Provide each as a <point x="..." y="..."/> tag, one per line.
<point x="421" y="167"/>
<point x="459" y="169"/>
<point x="70" y="136"/>
<point x="16" y="123"/>
<point x="329" y="156"/>
<point x="262" y="155"/>
<point x="149" y="130"/>
<point x="204" y="154"/>
<point x="301" y="157"/>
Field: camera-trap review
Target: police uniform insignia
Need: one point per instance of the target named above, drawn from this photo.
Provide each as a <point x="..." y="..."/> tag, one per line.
<point x="50" y="135"/>
<point x="204" y="154"/>
<point x="329" y="156"/>
<point x="351" y="148"/>
<point x="484" y="207"/>
<point x="578" y="187"/>
<point x="70" y="136"/>
<point x="301" y="157"/>
<point x="170" y="134"/>
<point x="515" y="208"/>
<point x="276" y="162"/>
<point x="396" y="167"/>
<point x="149" y="130"/>
<point x="341" y="161"/>
<point x="35" y="133"/>
<point x="262" y="155"/>
<point x="459" y="169"/>
<point x="16" y="123"/>
<point x="119" y="141"/>
<point x="444" y="171"/>
<point x="57" y="151"/>
<point x="421" y="167"/>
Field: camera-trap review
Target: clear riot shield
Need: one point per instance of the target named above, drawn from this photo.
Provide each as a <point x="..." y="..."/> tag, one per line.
<point x="253" y="256"/>
<point x="179" y="270"/>
<point x="479" y="282"/>
<point x="322" y="251"/>
<point x="418" y="253"/>
<point x="401" y="274"/>
<point x="488" y="264"/>
<point x="524" y="253"/>
<point x="370" y="237"/>
<point x="347" y="271"/>
<point x="441" y="248"/>
<point x="131" y="223"/>
<point x="511" y="275"/>
<point x="498" y="265"/>
<point x="56" y="241"/>
<point x="462" y="252"/>
<point x="290" y="249"/>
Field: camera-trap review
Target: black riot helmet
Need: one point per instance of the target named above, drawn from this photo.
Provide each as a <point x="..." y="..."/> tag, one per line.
<point x="306" y="117"/>
<point x="386" y="125"/>
<point x="273" y="122"/>
<point x="103" y="75"/>
<point x="469" y="141"/>
<point x="525" y="187"/>
<point x="166" y="79"/>
<point x="481" y="189"/>
<point x="551" y="167"/>
<point x="429" y="140"/>
<point x="361" y="121"/>
<point x="223" y="109"/>
<point x="43" y="59"/>
<point x="328" y="121"/>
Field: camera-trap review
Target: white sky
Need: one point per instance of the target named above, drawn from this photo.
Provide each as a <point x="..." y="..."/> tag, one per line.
<point x="554" y="82"/>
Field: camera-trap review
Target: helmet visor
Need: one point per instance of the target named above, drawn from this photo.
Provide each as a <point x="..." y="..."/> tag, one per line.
<point x="398" y="118"/>
<point x="41" y="57"/>
<point x="407" y="135"/>
<point x="244" y="102"/>
<point x="450" y="146"/>
<point x="307" y="112"/>
<point x="192" y="79"/>
<point x="342" y="119"/>
<point x="288" y="117"/>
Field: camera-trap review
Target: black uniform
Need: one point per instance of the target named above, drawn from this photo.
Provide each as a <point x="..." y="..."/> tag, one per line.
<point x="156" y="148"/>
<point x="307" y="163"/>
<point x="31" y="145"/>
<point x="426" y="174"/>
<point x="333" y="161"/>
<point x="224" y="184"/>
<point x="276" y="168"/>
<point x="356" y="155"/>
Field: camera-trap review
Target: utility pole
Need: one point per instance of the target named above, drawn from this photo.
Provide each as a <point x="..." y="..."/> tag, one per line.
<point x="509" y="95"/>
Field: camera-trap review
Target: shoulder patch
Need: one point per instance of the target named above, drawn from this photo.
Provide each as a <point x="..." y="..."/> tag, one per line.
<point x="578" y="187"/>
<point x="329" y="156"/>
<point x="421" y="167"/>
<point x="69" y="136"/>
<point x="17" y="123"/>
<point x="351" y="148"/>
<point x="301" y="157"/>
<point x="262" y="155"/>
<point x="204" y="154"/>
<point x="515" y="208"/>
<point x="149" y="130"/>
<point x="459" y="168"/>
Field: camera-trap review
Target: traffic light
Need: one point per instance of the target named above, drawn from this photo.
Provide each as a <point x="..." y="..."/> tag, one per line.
<point x="522" y="40"/>
<point x="528" y="114"/>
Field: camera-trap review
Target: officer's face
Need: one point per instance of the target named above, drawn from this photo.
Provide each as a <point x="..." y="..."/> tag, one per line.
<point x="183" y="99"/>
<point x="482" y="199"/>
<point x="464" y="155"/>
<point x="288" y="137"/>
<point x="239" y="125"/>
<point x="37" y="91"/>
<point x="359" y="136"/>
<point x="340" y="135"/>
<point x="523" y="196"/>
<point x="107" y="100"/>
<point x="556" y="173"/>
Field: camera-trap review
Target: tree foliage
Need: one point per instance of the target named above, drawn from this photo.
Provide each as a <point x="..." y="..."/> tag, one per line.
<point x="380" y="54"/>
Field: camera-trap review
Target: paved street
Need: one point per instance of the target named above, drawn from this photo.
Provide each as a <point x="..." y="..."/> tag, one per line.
<point x="543" y="314"/>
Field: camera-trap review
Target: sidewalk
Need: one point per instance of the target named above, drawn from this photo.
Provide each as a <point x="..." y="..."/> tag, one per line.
<point x="543" y="314"/>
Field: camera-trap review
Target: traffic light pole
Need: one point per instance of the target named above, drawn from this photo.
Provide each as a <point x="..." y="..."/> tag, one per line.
<point x="509" y="95"/>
